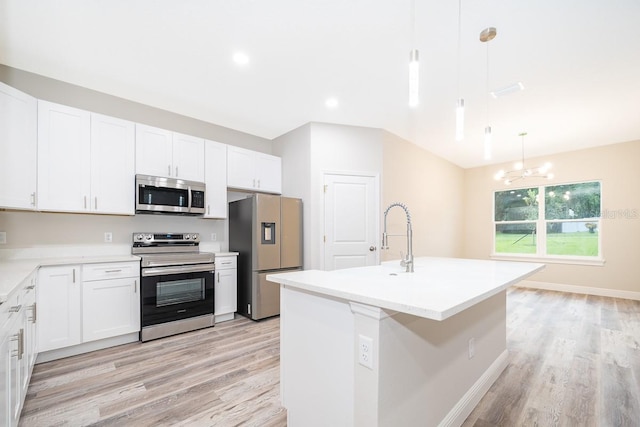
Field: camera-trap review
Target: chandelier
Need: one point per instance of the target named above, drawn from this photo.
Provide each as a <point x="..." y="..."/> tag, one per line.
<point x="520" y="171"/>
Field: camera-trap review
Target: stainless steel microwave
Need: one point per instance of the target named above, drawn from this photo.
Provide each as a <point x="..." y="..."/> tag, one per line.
<point x="160" y="195"/>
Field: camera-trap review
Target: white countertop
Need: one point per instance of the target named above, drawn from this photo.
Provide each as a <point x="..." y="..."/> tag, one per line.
<point x="438" y="289"/>
<point x="13" y="272"/>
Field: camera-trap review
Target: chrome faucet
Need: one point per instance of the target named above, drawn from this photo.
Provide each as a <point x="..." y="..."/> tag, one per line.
<point x="408" y="260"/>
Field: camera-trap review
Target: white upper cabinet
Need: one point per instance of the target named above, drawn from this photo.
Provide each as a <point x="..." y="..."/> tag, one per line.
<point x="112" y="165"/>
<point x="161" y="152"/>
<point x="188" y="157"/>
<point x="253" y="171"/>
<point x="18" y="144"/>
<point x="64" y="158"/>
<point x="85" y="161"/>
<point x="215" y="171"/>
<point x="154" y="148"/>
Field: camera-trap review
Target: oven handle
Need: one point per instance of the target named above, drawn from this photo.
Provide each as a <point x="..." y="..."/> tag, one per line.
<point x="160" y="271"/>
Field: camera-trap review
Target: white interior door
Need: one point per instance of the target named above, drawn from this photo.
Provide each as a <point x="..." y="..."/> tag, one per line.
<point x="350" y="221"/>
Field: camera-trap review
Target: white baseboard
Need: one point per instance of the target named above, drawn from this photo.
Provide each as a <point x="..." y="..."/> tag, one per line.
<point x="60" y="353"/>
<point x="603" y="292"/>
<point x="472" y="397"/>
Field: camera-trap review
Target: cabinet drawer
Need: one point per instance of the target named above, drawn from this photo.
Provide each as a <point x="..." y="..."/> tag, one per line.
<point x="110" y="270"/>
<point x="226" y="262"/>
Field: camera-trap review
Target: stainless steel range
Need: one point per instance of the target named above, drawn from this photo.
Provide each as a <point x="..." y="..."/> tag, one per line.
<point x="177" y="284"/>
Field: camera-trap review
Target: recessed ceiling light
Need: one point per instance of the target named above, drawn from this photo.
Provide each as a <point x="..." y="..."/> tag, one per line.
<point x="331" y="103"/>
<point x="240" y="58"/>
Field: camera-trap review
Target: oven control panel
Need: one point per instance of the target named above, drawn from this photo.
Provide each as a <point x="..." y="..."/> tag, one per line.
<point x="166" y="238"/>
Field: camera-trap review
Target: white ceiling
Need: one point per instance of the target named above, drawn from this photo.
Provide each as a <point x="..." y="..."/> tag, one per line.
<point x="579" y="61"/>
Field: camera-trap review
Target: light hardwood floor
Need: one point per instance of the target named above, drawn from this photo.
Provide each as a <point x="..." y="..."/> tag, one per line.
<point x="574" y="361"/>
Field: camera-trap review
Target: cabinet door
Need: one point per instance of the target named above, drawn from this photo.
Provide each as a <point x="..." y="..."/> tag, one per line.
<point x="215" y="168"/>
<point x="226" y="297"/>
<point x="110" y="308"/>
<point x="240" y="169"/>
<point x="58" y="302"/>
<point x="268" y="173"/>
<point x="188" y="157"/>
<point x="18" y="143"/>
<point x="153" y="151"/>
<point x="112" y="165"/>
<point x="64" y="158"/>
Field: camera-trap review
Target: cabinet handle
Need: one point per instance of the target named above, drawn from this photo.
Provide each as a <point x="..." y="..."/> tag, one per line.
<point x="28" y="288"/>
<point x="218" y="277"/>
<point x="258" y="183"/>
<point x="15" y="308"/>
<point x="85" y="202"/>
<point x="96" y="203"/>
<point x="169" y="169"/>
<point x="135" y="286"/>
<point x="33" y="199"/>
<point x="34" y="313"/>
<point x="254" y="183"/>
<point x="74" y="275"/>
<point x="21" y="344"/>
<point x="208" y="209"/>
<point x="113" y="271"/>
<point x="16" y="353"/>
<point x="20" y="338"/>
<point x="176" y="171"/>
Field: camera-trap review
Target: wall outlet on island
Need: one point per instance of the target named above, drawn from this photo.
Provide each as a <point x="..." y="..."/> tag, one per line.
<point x="365" y="351"/>
<point x="108" y="237"/>
<point x="3" y="237"/>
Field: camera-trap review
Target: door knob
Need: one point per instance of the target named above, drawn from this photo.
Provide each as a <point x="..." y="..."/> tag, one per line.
<point x="372" y="248"/>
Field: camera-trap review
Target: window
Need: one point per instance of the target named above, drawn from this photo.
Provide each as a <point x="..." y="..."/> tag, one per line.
<point x="560" y="221"/>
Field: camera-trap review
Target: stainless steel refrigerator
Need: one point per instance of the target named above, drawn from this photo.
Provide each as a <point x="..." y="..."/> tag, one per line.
<point x="267" y="232"/>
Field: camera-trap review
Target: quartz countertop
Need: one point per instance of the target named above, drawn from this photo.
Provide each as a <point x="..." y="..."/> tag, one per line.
<point x="438" y="289"/>
<point x="14" y="271"/>
<point x="226" y="253"/>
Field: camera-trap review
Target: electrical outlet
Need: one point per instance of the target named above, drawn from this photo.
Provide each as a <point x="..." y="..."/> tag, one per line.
<point x="472" y="347"/>
<point x="365" y="351"/>
<point x="3" y="237"/>
<point x="214" y="237"/>
<point x="108" y="237"/>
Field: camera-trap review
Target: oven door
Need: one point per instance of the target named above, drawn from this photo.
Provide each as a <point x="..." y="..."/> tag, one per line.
<point x="176" y="293"/>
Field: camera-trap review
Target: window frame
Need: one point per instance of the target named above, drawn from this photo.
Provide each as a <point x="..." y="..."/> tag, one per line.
<point x="541" y="230"/>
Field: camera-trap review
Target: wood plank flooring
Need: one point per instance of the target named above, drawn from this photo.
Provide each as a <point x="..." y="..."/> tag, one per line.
<point x="227" y="375"/>
<point x="574" y="361"/>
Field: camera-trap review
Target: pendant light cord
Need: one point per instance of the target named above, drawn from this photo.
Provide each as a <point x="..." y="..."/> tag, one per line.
<point x="459" y="41"/>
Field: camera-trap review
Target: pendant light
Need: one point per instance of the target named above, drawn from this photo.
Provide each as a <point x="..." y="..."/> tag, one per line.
<point x="521" y="171"/>
<point x="486" y="36"/>
<point x="414" y="63"/>
<point x="460" y="101"/>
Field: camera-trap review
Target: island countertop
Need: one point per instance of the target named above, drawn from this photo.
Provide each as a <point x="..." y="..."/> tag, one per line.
<point x="438" y="289"/>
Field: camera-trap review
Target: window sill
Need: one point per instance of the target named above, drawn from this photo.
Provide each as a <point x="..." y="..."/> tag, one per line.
<point x="599" y="262"/>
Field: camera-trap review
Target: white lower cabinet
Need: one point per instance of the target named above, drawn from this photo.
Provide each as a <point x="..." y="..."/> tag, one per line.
<point x="226" y="285"/>
<point x="17" y="349"/>
<point x="59" y="302"/>
<point x="84" y="303"/>
<point x="110" y="300"/>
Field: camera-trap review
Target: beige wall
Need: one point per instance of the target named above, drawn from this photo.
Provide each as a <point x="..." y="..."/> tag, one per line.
<point x="617" y="166"/>
<point x="76" y="96"/>
<point x="431" y="187"/>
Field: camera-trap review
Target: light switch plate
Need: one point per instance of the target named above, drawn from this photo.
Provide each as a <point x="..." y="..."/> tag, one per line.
<point x="3" y="237"/>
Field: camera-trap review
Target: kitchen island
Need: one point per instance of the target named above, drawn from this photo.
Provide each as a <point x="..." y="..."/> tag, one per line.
<point x="376" y="346"/>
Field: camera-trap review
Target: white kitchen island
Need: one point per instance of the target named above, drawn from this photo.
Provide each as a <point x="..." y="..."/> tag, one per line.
<point x="376" y="346"/>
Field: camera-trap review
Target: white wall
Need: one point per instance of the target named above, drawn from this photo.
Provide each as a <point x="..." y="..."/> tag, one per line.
<point x="338" y="149"/>
<point x="295" y="150"/>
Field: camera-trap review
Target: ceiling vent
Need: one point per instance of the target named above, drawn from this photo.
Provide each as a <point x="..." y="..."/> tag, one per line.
<point x="507" y="90"/>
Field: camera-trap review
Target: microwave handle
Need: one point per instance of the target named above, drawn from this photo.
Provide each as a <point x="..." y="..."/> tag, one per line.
<point x="189" y="197"/>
